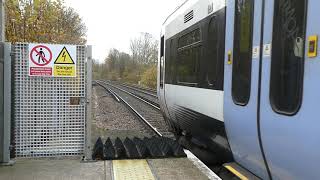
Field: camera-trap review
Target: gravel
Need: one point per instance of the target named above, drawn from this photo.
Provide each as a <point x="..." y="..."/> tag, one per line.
<point x="153" y="116"/>
<point x="112" y="119"/>
<point x="138" y="92"/>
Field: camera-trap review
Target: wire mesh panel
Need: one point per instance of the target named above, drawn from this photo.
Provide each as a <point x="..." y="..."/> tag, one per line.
<point x="49" y="111"/>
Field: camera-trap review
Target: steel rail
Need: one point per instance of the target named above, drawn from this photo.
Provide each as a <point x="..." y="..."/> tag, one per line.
<point x="205" y="169"/>
<point x="150" y="90"/>
<point x="139" y="90"/>
<point x="135" y="112"/>
<point x="137" y="97"/>
<point x="115" y="96"/>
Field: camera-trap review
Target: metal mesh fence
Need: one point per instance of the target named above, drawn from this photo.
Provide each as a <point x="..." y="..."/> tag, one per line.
<point x="46" y="124"/>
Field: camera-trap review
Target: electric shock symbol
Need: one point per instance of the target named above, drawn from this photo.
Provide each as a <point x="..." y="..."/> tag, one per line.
<point x="64" y="57"/>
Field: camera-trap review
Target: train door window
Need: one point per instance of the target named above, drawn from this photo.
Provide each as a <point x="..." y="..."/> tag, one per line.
<point x="161" y="61"/>
<point x="169" y="62"/>
<point x="287" y="62"/>
<point x="241" y="70"/>
<point x="188" y="59"/>
<point x="215" y="51"/>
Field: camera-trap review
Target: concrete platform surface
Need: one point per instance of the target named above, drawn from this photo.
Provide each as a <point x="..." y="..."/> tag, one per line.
<point x="70" y="169"/>
<point x="46" y="169"/>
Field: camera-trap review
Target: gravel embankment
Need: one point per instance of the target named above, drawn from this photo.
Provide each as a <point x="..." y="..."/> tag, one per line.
<point x="112" y="119"/>
<point x="153" y="116"/>
<point x="139" y="92"/>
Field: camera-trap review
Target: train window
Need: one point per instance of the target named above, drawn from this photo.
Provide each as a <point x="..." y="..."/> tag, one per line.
<point x="161" y="60"/>
<point x="170" y="61"/>
<point x="287" y="62"/>
<point x="195" y="56"/>
<point x="188" y="69"/>
<point x="241" y="70"/>
<point x="162" y="46"/>
<point x="188" y="59"/>
<point x="167" y="62"/>
<point x="189" y="39"/>
<point x="215" y="51"/>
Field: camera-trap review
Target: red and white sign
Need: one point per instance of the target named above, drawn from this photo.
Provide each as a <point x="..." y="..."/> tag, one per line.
<point x="52" y="60"/>
<point x="40" y="61"/>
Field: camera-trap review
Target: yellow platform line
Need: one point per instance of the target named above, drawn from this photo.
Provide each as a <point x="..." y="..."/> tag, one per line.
<point x="237" y="173"/>
<point x="131" y="170"/>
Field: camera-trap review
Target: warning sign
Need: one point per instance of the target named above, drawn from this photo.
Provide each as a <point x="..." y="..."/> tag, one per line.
<point x="64" y="65"/>
<point x="48" y="60"/>
<point x="40" y="57"/>
<point x="64" y="70"/>
<point x="64" y="57"/>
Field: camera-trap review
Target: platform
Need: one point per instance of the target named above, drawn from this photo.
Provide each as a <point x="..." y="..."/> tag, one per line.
<point x="73" y="169"/>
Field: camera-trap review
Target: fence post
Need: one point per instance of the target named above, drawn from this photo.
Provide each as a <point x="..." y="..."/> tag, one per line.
<point x="88" y="144"/>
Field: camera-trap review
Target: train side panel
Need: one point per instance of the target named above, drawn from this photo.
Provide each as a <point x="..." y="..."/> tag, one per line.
<point x="241" y="83"/>
<point x="193" y="89"/>
<point x="290" y="94"/>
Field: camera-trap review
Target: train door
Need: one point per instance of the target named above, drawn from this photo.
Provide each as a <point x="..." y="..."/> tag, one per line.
<point x="161" y="81"/>
<point x="289" y="113"/>
<point x="160" y="84"/>
<point x="243" y="40"/>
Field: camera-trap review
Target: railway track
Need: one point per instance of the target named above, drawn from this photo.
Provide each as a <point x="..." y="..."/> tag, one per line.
<point x="146" y="94"/>
<point x="151" y="116"/>
<point x="146" y="111"/>
<point x="149" y="90"/>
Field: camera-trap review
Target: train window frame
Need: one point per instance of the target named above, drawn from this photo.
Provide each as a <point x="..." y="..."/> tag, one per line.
<point x="237" y="38"/>
<point x="161" y="65"/>
<point x="301" y="61"/>
<point x="172" y="60"/>
<point x="169" y="63"/>
<point x="217" y="21"/>
<point x="191" y="46"/>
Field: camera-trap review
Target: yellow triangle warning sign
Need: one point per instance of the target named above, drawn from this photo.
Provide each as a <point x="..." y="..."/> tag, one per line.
<point x="64" y="57"/>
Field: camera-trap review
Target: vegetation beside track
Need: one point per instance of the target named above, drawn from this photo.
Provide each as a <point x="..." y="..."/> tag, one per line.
<point x="138" y="67"/>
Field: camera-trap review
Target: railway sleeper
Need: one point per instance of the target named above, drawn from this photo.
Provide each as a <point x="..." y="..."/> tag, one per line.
<point x="137" y="148"/>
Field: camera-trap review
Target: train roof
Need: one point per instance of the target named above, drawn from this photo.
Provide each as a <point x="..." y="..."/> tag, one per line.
<point x="189" y="13"/>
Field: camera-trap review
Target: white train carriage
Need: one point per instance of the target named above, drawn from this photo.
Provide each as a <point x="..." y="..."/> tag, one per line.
<point x="239" y="80"/>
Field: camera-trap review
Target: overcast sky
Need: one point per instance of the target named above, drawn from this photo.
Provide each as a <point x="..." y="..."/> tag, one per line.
<point x="112" y="23"/>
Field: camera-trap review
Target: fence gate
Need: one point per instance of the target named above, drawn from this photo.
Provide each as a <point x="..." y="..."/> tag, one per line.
<point x="49" y="105"/>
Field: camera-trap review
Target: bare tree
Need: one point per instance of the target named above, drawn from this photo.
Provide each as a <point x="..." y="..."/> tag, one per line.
<point x="144" y="49"/>
<point x="111" y="60"/>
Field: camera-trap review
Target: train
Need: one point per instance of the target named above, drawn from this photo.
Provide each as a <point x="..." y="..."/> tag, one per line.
<point x="238" y="81"/>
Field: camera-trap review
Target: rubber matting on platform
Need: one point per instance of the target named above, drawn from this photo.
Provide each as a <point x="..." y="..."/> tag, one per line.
<point x="131" y="169"/>
<point x="136" y="148"/>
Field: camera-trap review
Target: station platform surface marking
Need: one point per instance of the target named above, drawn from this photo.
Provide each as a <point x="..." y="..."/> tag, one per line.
<point x="73" y="169"/>
<point x="131" y="170"/>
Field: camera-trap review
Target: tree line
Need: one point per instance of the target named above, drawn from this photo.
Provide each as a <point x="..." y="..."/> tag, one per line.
<point x="45" y="21"/>
<point x="138" y="67"/>
<point x="51" y="21"/>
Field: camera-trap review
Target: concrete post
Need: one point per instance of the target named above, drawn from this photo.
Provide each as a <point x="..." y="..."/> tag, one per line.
<point x="5" y="92"/>
<point x="88" y="145"/>
<point x="6" y="121"/>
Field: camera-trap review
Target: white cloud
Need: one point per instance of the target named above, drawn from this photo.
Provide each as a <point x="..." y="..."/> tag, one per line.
<point x="112" y="23"/>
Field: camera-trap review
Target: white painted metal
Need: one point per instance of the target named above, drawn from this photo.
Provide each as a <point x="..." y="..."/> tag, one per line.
<point x="201" y="166"/>
<point x="46" y="125"/>
<point x="175" y="22"/>
<point x="205" y="101"/>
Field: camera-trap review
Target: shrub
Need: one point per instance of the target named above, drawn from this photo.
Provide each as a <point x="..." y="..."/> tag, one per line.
<point x="149" y="77"/>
